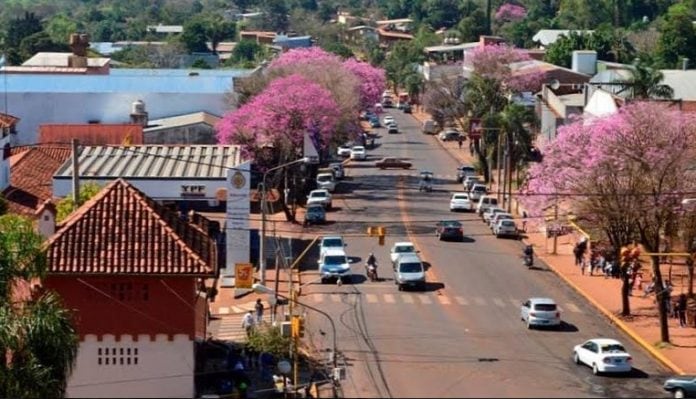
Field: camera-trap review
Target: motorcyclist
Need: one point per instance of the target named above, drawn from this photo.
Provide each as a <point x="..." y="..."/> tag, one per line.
<point x="372" y="264"/>
<point x="529" y="252"/>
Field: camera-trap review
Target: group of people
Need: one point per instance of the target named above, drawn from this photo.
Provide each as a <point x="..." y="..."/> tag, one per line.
<point x="249" y="322"/>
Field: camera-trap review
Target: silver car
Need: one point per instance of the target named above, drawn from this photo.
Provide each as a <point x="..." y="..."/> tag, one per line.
<point x="540" y="312"/>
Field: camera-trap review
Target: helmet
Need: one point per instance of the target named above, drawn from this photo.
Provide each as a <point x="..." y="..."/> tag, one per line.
<point x="529" y="246"/>
<point x="371" y="254"/>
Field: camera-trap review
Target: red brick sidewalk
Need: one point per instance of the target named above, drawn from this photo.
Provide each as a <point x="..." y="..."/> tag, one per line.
<point x="604" y="294"/>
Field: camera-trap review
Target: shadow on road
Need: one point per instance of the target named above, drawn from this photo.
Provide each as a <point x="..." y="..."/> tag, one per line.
<point x="430" y="287"/>
<point x="567" y="327"/>
<point x="634" y="373"/>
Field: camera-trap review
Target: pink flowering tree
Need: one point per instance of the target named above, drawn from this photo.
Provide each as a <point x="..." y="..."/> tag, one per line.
<point x="509" y="12"/>
<point x="624" y="175"/>
<point x="372" y="81"/>
<point x="495" y="63"/>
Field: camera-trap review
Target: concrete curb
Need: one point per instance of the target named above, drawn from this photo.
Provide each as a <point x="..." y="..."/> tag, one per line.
<point x="618" y="322"/>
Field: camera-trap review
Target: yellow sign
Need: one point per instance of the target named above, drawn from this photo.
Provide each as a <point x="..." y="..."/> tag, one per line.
<point x="243" y="275"/>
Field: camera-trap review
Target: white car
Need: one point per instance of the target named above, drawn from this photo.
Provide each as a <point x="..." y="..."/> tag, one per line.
<point x="331" y="242"/>
<point x="343" y="150"/>
<point x="460" y="202"/>
<point x="358" y="153"/>
<point x="488" y="214"/>
<point x="387" y="120"/>
<point x="498" y="217"/>
<point x="326" y="181"/>
<point x="505" y="228"/>
<point x="477" y="191"/>
<point x="540" y="312"/>
<point x="320" y="196"/>
<point x="401" y="248"/>
<point x="486" y="202"/>
<point x="604" y="355"/>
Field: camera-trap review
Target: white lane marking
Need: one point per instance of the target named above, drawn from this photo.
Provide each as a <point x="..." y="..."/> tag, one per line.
<point x="444" y="300"/>
<point x="318" y="297"/>
<point x="389" y="298"/>
<point x="371" y="298"/>
<point x="573" y="307"/>
<point x="425" y="300"/>
<point x="461" y="300"/>
<point x="499" y="302"/>
<point x="407" y="298"/>
<point x="335" y="298"/>
<point x="480" y="301"/>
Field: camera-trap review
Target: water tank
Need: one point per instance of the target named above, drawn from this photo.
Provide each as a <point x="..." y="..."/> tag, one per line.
<point x="138" y="107"/>
<point x="585" y="61"/>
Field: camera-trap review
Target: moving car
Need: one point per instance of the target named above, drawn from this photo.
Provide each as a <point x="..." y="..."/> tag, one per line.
<point x="604" y="355"/>
<point x="464" y="171"/>
<point x="409" y="272"/>
<point x="358" y="153"/>
<point x="339" y="172"/>
<point x="406" y="107"/>
<point x="392" y="129"/>
<point x="333" y="264"/>
<point x="401" y="248"/>
<point x="429" y="126"/>
<point x="540" y="312"/>
<point x="498" y="217"/>
<point x="490" y="212"/>
<point x="477" y="191"/>
<point x="449" y="230"/>
<point x="682" y="386"/>
<point x="505" y="228"/>
<point x="469" y="182"/>
<point x="486" y="202"/>
<point x="343" y="150"/>
<point x="374" y="122"/>
<point x="331" y="242"/>
<point x="385" y="163"/>
<point x="326" y="181"/>
<point x="450" y="135"/>
<point x="320" y="196"/>
<point x="388" y="119"/>
<point x="315" y="214"/>
<point x="460" y="202"/>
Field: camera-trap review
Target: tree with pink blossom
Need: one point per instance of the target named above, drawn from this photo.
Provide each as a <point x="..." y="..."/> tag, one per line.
<point x="509" y="12"/>
<point x="496" y="62"/>
<point x="372" y="81"/>
<point x="624" y="175"/>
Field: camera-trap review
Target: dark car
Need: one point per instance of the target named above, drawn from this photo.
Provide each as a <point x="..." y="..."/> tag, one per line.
<point x="450" y="230"/>
<point x="315" y="214"/>
<point x="385" y="163"/>
<point x="682" y="386"/>
<point x="374" y="121"/>
<point x="406" y="108"/>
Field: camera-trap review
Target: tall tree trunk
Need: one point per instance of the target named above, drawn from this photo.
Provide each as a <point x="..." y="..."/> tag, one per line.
<point x="482" y="160"/>
<point x="625" y="288"/>
<point x="662" y="298"/>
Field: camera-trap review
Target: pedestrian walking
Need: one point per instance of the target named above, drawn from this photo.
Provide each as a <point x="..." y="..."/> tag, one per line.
<point x="248" y="323"/>
<point x="524" y="221"/>
<point x="461" y="141"/>
<point x="681" y="310"/>
<point x="471" y="149"/>
<point x="259" y="311"/>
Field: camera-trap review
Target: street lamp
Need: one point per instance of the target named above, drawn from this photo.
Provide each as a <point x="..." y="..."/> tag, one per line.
<point x="262" y="289"/>
<point x="262" y="188"/>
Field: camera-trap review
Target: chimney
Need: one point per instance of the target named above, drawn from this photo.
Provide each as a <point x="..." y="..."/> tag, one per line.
<point x="47" y="218"/>
<point x="79" y="44"/>
<point x="138" y="114"/>
<point x="685" y="64"/>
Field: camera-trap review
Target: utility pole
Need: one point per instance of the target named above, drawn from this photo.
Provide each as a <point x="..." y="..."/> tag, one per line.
<point x="555" y="219"/>
<point x="76" y="173"/>
<point x="262" y="245"/>
<point x="497" y="164"/>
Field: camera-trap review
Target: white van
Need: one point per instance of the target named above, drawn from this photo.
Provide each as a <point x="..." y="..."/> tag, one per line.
<point x="429" y="126"/>
<point x="486" y="202"/>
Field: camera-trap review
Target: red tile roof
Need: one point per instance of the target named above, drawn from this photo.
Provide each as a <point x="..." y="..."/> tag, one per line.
<point x="31" y="176"/>
<point x="91" y="133"/>
<point x="7" y="121"/>
<point x="121" y="231"/>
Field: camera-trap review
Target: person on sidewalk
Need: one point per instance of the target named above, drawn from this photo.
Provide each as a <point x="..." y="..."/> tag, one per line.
<point x="681" y="310"/>
<point x="461" y="141"/>
<point x="259" y="311"/>
<point x="524" y="221"/>
<point x="248" y="323"/>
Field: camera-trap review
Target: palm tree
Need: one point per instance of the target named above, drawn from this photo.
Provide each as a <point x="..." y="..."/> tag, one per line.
<point x="515" y="122"/>
<point x="38" y="342"/>
<point x="646" y="82"/>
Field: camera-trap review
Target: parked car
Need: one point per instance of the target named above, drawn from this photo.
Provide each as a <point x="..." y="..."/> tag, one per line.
<point x="464" y="171"/>
<point x="450" y="135"/>
<point x="490" y="212"/>
<point x="540" y="312"/>
<point x="326" y="181"/>
<point x="320" y="196"/>
<point x="469" y="182"/>
<point x="429" y="126"/>
<point x="385" y="163"/>
<point x="682" y="386"/>
<point x="333" y="264"/>
<point x="460" y="202"/>
<point x="604" y="355"/>
<point x="343" y="150"/>
<point x="331" y="242"/>
<point x="392" y="129"/>
<point x="401" y="248"/>
<point x="409" y="272"/>
<point x="315" y="214"/>
<point x="406" y="108"/>
<point x="374" y="122"/>
<point x="498" y="217"/>
<point x="387" y="102"/>
<point x="358" y="153"/>
<point x="388" y="119"/>
<point x="339" y="171"/>
<point x="478" y="190"/>
<point x="505" y="228"/>
<point x="486" y="202"/>
<point x="449" y="230"/>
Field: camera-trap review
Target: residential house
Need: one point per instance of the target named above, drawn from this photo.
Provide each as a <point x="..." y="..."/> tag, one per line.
<point x="259" y="37"/>
<point x="195" y="128"/>
<point x="136" y="286"/>
<point x="165" y="29"/>
<point x="361" y="33"/>
<point x="546" y="37"/>
<point x="8" y="130"/>
<point x="285" y="42"/>
<point x="91" y="133"/>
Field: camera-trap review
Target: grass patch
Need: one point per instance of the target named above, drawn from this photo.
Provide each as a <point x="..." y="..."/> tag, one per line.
<point x="662" y="345"/>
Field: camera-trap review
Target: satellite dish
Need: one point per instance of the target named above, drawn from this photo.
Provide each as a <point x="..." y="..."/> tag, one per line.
<point x="555" y="84"/>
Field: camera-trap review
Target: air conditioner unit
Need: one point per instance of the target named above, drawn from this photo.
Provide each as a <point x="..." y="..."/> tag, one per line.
<point x="285" y="328"/>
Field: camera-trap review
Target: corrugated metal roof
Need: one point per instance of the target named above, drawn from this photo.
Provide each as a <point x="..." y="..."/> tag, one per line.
<point x="155" y="161"/>
<point x="182" y="120"/>
<point x="682" y="82"/>
<point x="546" y="37"/>
<point x="450" y="47"/>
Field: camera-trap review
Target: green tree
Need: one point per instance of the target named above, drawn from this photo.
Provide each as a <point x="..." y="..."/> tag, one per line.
<point x="646" y="82"/>
<point x="473" y="22"/>
<point x="218" y="30"/>
<point x="66" y="206"/>
<point x="441" y="13"/>
<point x="583" y="14"/>
<point x="401" y="62"/>
<point x="38" y="341"/>
<point x="59" y="28"/>
<point x="678" y="37"/>
<point x="3" y="205"/>
<point x="246" y="51"/>
<point x="275" y="15"/>
<point x="200" y="63"/>
<point x="17" y="30"/>
<point x="339" y="49"/>
<point x="39" y="42"/>
<point x="195" y="36"/>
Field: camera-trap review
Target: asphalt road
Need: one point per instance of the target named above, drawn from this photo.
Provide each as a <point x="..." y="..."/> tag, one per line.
<point x="463" y="337"/>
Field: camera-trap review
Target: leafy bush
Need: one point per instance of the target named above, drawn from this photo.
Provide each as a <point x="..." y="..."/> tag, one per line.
<point x="267" y="338"/>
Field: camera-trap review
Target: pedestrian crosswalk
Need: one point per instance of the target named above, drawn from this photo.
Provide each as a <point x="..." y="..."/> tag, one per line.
<point x="438" y="299"/>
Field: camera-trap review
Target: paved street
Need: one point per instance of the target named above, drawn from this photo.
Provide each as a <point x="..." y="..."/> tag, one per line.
<point x="462" y="337"/>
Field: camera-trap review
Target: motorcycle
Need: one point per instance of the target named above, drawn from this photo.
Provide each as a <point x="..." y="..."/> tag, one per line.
<point x="528" y="260"/>
<point x="371" y="271"/>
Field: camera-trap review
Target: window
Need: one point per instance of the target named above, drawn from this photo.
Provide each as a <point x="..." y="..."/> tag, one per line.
<point x="112" y="356"/>
<point x="547" y="307"/>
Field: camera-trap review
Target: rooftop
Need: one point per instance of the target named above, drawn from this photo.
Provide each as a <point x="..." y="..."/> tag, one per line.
<point x="51" y="59"/>
<point x="91" y="133"/>
<point x="122" y="231"/>
<point x="452" y="47"/>
<point x="155" y="161"/>
<point x="683" y="82"/>
<point x="182" y="120"/>
<point x="546" y="37"/>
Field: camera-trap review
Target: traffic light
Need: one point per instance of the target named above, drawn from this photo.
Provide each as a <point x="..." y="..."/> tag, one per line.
<point x="295" y="326"/>
<point x="301" y="328"/>
<point x="381" y="232"/>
